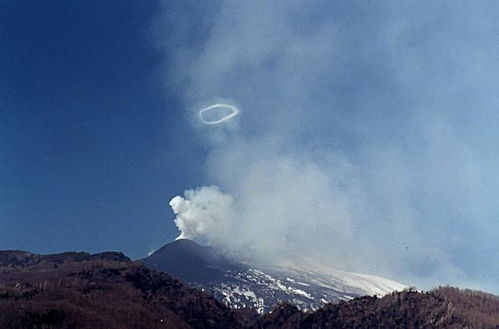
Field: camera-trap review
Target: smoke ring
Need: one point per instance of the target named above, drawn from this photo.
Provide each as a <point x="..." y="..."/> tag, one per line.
<point x="235" y="111"/>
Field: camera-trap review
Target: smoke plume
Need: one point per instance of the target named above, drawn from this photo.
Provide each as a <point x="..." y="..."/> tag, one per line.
<point x="367" y="135"/>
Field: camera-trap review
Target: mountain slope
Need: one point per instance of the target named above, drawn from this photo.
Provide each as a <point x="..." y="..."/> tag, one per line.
<point x="185" y="259"/>
<point x="78" y="290"/>
<point x="443" y="308"/>
<point x="241" y="285"/>
<point x="82" y="291"/>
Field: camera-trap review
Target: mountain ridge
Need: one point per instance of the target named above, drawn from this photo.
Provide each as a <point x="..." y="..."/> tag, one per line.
<point x="108" y="290"/>
<point x="241" y="285"/>
<point x="105" y="290"/>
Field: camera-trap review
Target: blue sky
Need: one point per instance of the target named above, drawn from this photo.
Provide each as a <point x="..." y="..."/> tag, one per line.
<point x="367" y="136"/>
<point x="85" y="127"/>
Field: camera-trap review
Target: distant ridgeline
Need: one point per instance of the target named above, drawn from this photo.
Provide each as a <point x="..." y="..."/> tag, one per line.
<point x="108" y="290"/>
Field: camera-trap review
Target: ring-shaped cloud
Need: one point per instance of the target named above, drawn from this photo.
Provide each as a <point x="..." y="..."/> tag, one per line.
<point x="234" y="111"/>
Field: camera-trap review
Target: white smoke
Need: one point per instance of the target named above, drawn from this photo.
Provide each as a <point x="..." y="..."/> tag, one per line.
<point x="281" y="208"/>
<point x="223" y="112"/>
<point x="369" y="133"/>
<point x="204" y="214"/>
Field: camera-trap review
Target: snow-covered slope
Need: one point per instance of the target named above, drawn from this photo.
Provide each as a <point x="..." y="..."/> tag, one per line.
<point x="245" y="285"/>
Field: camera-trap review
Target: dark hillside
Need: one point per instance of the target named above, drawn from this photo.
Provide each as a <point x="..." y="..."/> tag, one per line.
<point x="109" y="291"/>
<point x="441" y="308"/>
<point x="479" y="308"/>
<point x="194" y="259"/>
<point x="78" y="290"/>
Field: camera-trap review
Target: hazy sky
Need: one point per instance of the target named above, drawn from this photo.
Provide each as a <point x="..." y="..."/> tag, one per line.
<point x="367" y="136"/>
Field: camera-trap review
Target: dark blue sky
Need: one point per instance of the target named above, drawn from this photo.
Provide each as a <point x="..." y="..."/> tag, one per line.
<point x="87" y="132"/>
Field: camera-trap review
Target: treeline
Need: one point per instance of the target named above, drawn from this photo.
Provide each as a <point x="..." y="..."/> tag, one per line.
<point x="444" y="307"/>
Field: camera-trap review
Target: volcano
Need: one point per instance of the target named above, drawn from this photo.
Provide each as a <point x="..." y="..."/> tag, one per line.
<point x="241" y="284"/>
